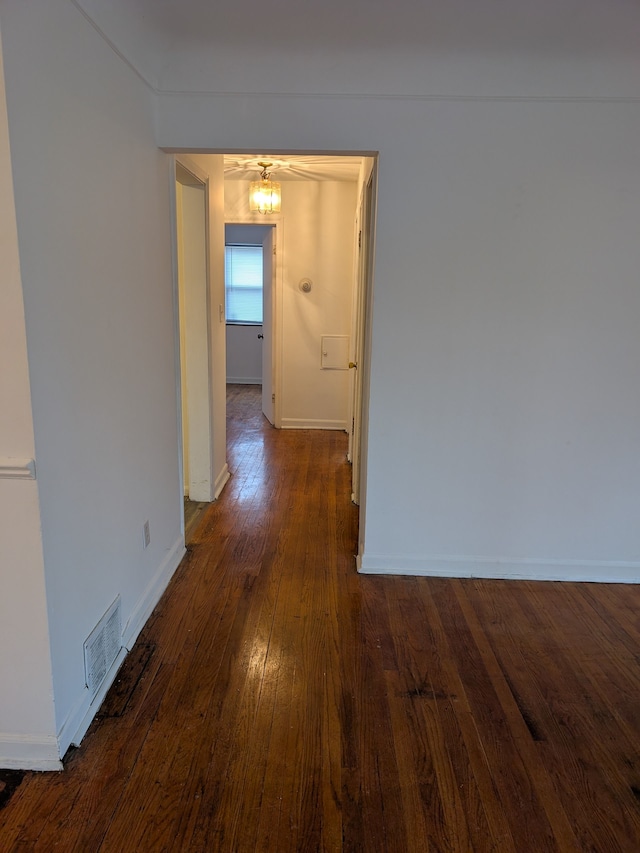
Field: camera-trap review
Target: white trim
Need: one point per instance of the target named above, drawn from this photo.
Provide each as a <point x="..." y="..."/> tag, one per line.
<point x="244" y="380"/>
<point x="376" y="96"/>
<point x="81" y="716"/>
<point x="452" y="566"/>
<point x="14" y="468"/>
<point x="29" y="752"/>
<point x="84" y="710"/>
<point x="152" y="593"/>
<point x="221" y="481"/>
<point x="173" y="216"/>
<point x="207" y="486"/>
<point x="312" y="423"/>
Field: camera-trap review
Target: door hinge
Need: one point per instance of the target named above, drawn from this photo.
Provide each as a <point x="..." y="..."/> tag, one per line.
<point x="359" y="239"/>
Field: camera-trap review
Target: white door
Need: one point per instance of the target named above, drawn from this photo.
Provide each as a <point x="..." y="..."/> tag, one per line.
<point x="268" y="388"/>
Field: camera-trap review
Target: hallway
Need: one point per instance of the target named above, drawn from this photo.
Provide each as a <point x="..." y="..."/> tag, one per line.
<point x="278" y="701"/>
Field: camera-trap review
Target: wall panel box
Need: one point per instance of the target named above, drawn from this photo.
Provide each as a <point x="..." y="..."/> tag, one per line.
<point x="334" y="352"/>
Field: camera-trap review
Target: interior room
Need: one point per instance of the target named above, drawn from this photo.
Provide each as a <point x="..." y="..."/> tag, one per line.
<point x="499" y="347"/>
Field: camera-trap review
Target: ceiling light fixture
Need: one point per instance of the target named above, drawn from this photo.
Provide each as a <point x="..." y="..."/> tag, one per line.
<point x="265" y="194"/>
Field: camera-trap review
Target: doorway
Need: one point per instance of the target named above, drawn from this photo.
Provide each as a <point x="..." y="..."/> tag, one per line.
<point x="304" y="307"/>
<point x="250" y="325"/>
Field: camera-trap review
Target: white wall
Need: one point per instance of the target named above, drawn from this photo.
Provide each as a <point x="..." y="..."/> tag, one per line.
<point x="27" y="725"/>
<point x="503" y="419"/>
<point x="456" y="48"/>
<point x="315" y="239"/>
<point x="92" y="202"/>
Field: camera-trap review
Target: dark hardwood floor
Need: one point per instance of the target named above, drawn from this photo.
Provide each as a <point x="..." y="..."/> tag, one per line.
<point x="278" y="701"/>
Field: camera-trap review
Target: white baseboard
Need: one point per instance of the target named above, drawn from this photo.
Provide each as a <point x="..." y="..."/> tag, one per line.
<point x="151" y="595"/>
<point x="448" y="566"/>
<point x="29" y="752"/>
<point x="221" y="481"/>
<point x="81" y="716"/>
<point x="84" y="710"/>
<point x="244" y="380"/>
<point x="313" y="423"/>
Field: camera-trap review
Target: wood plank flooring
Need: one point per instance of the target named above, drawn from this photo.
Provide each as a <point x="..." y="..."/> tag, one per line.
<point x="278" y="701"/>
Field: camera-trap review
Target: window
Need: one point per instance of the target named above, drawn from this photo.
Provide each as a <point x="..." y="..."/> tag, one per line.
<point x="243" y="284"/>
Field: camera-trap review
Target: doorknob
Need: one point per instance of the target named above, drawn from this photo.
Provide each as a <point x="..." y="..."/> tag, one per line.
<point x="352" y="364"/>
<point x="260" y="337"/>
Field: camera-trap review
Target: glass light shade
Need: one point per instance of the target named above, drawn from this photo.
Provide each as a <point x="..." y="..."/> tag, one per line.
<point x="264" y="196"/>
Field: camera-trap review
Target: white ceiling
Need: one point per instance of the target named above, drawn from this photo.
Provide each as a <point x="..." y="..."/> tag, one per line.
<point x="383" y="48"/>
<point x="172" y="42"/>
<point x="293" y="167"/>
<point x="475" y="24"/>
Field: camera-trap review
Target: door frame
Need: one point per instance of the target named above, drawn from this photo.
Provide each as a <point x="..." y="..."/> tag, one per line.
<point x="276" y="223"/>
<point x="365" y="363"/>
<point x="364" y="368"/>
<point x="201" y="177"/>
<point x="361" y="328"/>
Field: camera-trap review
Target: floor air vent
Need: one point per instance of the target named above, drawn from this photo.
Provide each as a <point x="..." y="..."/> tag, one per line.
<point x="101" y="647"/>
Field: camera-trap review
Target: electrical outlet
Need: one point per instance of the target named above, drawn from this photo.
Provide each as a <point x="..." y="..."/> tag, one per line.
<point x="146" y="535"/>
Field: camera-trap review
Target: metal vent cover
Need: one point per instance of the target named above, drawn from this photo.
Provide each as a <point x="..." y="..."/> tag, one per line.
<point x="101" y="647"/>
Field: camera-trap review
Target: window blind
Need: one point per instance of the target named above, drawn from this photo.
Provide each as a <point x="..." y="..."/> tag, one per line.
<point x="243" y="284"/>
